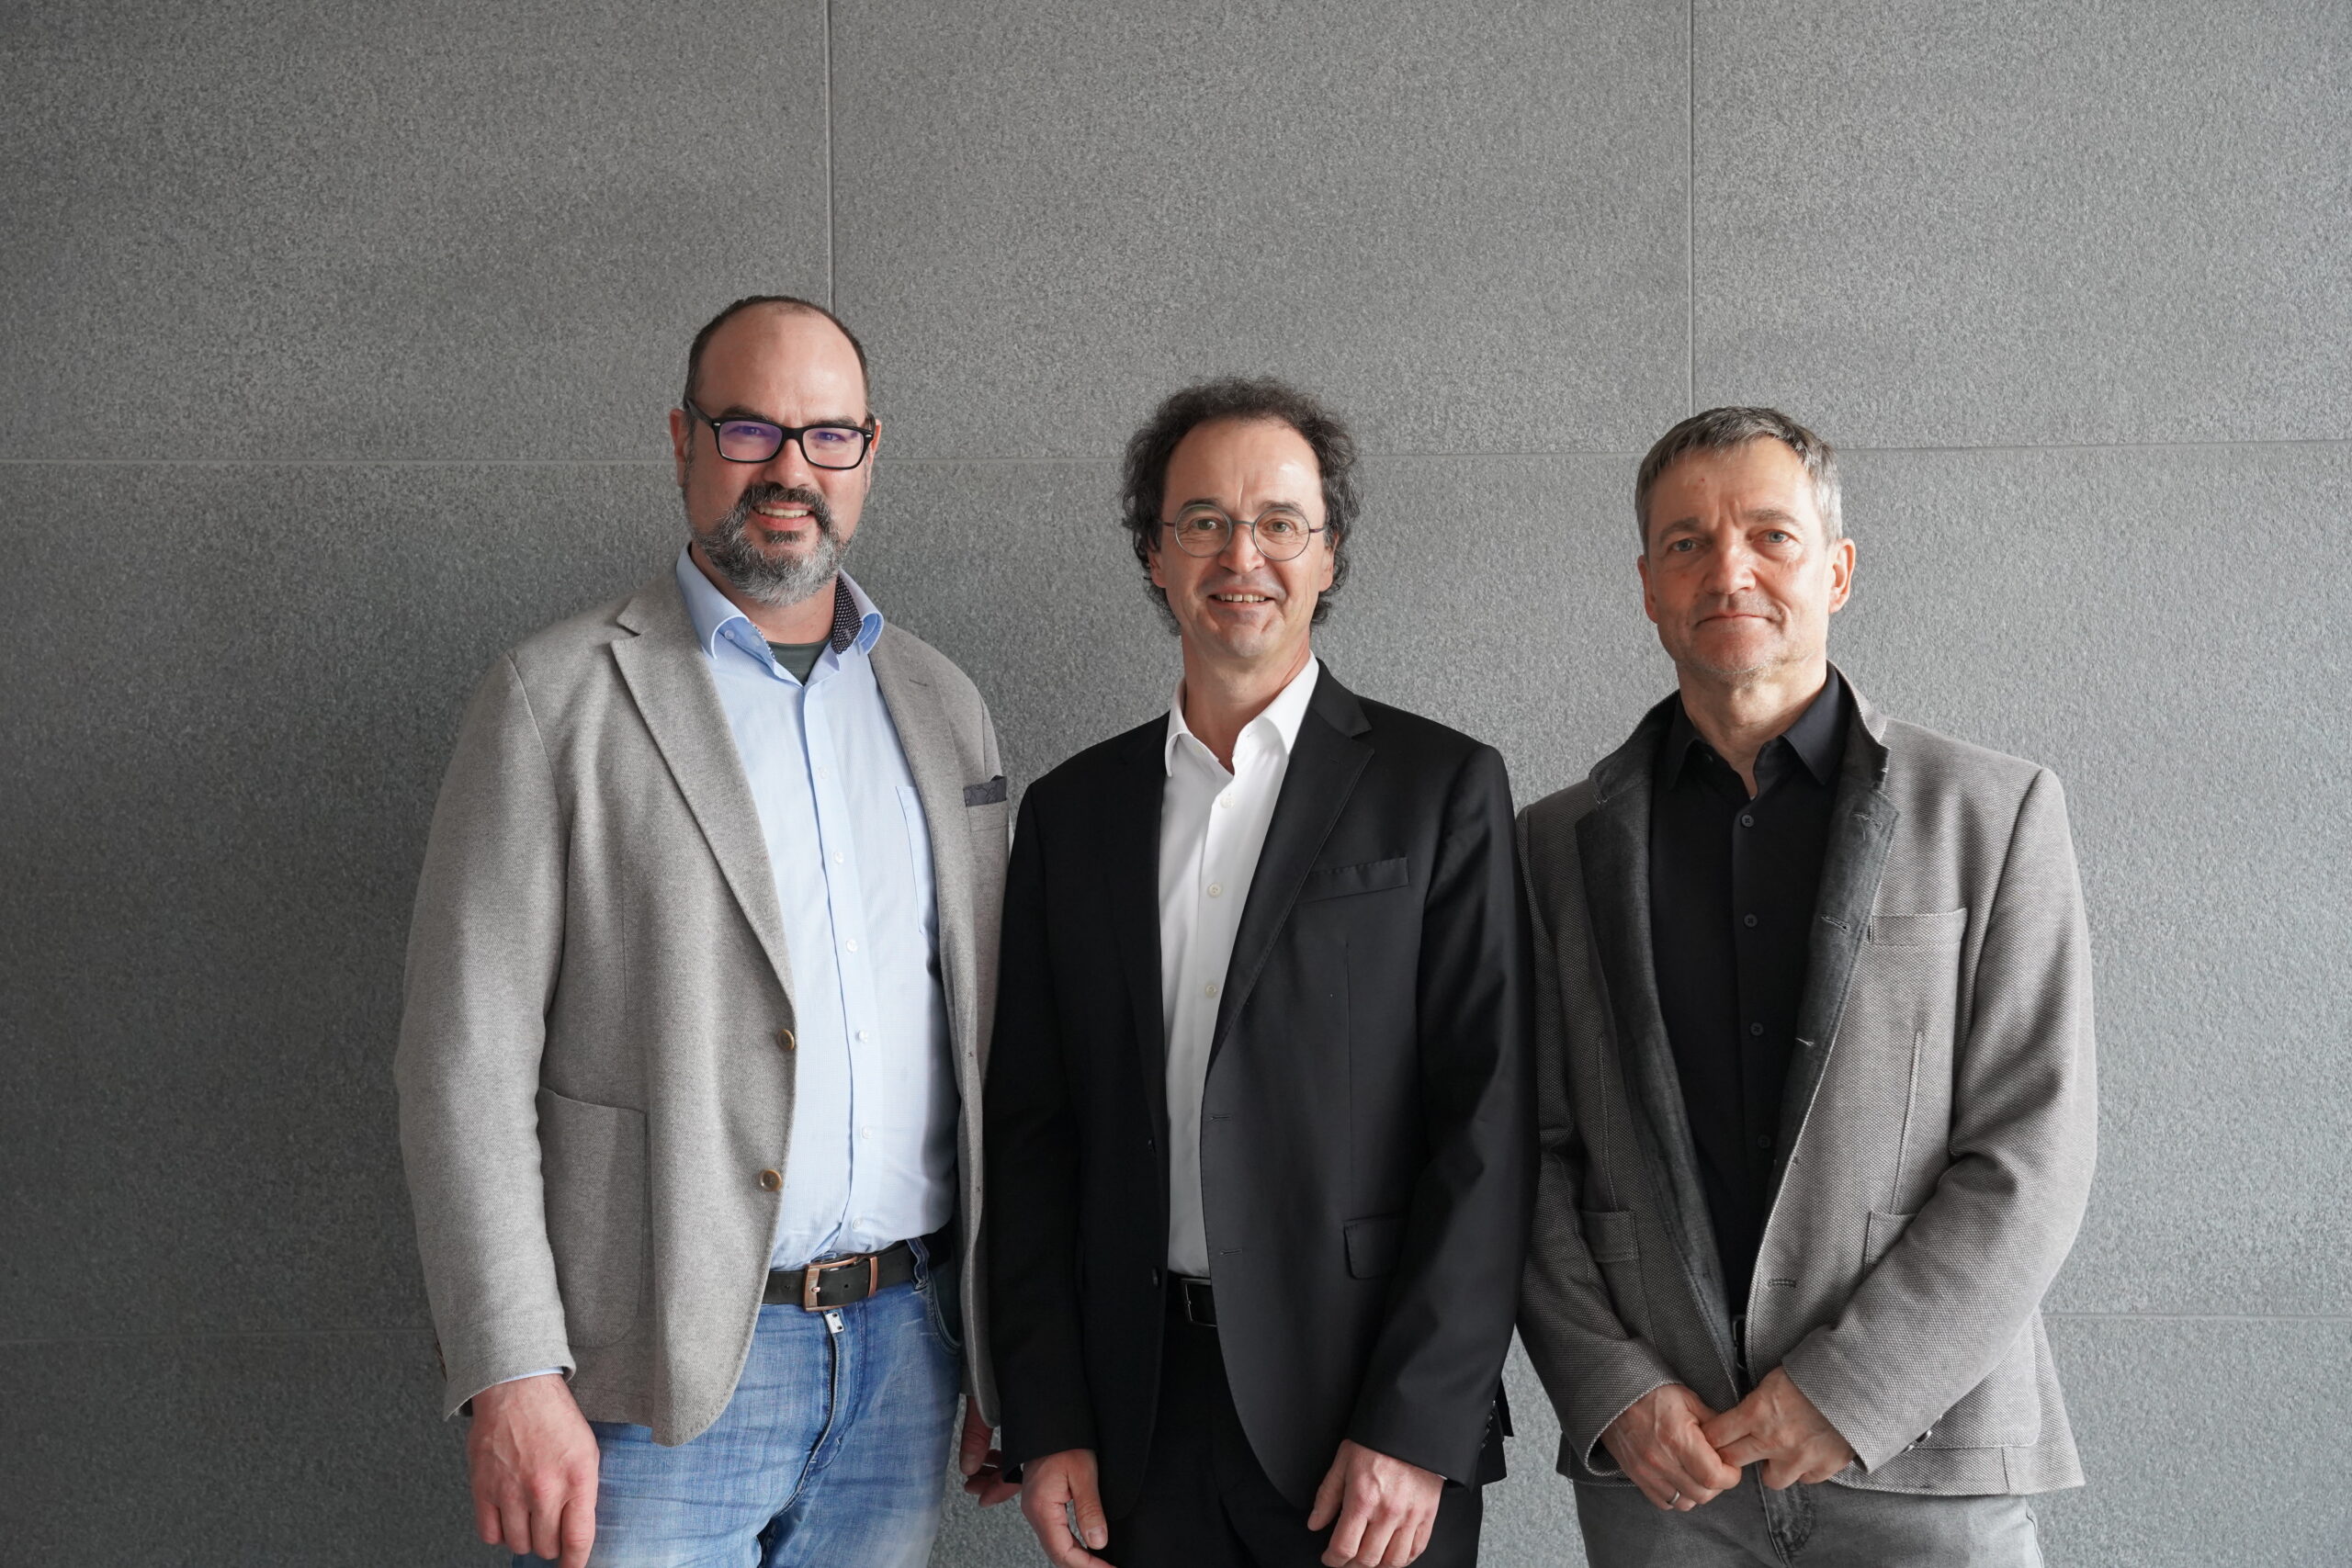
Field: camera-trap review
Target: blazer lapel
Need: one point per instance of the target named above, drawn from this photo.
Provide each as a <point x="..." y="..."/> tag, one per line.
<point x="927" y="740"/>
<point x="670" y="679"/>
<point x="1613" y="848"/>
<point x="1324" y="767"/>
<point x="1129" y="827"/>
<point x="1861" y="827"/>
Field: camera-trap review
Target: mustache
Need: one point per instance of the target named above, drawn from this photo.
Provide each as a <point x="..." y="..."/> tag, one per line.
<point x="767" y="493"/>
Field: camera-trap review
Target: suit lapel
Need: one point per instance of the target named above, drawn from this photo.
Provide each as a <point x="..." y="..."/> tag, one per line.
<point x="670" y="679"/>
<point x="1861" y="827"/>
<point x="1613" y="850"/>
<point x="1128" y="829"/>
<point x="927" y="741"/>
<point x="1325" y="764"/>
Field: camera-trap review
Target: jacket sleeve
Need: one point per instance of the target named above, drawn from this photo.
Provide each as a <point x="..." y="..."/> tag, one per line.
<point x="1032" y="1138"/>
<point x="483" y="949"/>
<point x="1950" y="1298"/>
<point x="1430" y="1385"/>
<point x="1592" y="1367"/>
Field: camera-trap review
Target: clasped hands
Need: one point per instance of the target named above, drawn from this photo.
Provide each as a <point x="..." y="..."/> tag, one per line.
<point x="1381" y="1509"/>
<point x="1682" y="1454"/>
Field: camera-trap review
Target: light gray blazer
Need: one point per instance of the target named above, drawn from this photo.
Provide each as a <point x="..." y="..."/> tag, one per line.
<point x="1936" y="1140"/>
<point x="594" y="1067"/>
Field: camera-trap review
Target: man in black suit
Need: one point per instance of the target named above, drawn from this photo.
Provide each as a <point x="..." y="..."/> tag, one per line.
<point x="1258" y="1126"/>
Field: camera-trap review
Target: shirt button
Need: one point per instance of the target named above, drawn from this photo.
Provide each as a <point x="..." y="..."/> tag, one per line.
<point x="1209" y="990"/>
<point x="1751" y="919"/>
<point x="1764" y="1142"/>
<point x="840" y="859"/>
<point x="771" y="1180"/>
<point x="1746" y="820"/>
<point x="866" y="1035"/>
<point x="865" y="1131"/>
<point x="1223" y="801"/>
<point x="1215" y="889"/>
<point x="850" y="945"/>
<point x="820" y="772"/>
<point x="1755" y="1029"/>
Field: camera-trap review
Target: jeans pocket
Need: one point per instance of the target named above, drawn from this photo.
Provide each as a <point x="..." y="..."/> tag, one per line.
<point x="937" y="1313"/>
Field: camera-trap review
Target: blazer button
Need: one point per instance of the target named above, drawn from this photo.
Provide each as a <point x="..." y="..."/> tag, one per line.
<point x="785" y="1040"/>
<point x="772" y="1180"/>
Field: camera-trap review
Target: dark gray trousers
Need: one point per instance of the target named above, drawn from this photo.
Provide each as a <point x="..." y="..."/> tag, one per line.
<point x="1826" y="1526"/>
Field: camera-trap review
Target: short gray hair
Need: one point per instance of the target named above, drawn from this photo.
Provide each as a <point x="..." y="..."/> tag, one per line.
<point x="1727" y="428"/>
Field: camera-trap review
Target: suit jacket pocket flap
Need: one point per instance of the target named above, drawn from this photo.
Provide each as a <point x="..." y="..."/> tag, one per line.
<point x="1369" y="876"/>
<point x="1940" y="930"/>
<point x="1609" y="1235"/>
<point x="988" y="794"/>
<point x="1372" y="1244"/>
<point x="593" y="1164"/>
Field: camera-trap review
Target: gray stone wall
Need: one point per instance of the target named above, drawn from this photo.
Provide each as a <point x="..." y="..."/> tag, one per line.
<point x="336" y="345"/>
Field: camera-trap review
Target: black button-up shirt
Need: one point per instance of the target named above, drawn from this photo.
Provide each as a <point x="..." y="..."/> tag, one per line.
<point x="1733" y="885"/>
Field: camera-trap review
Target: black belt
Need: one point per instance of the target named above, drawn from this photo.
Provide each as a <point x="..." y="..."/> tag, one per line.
<point x="838" y="1281"/>
<point x="1193" y="1299"/>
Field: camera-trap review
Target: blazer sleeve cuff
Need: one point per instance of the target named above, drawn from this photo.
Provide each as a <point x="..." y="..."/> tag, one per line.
<point x="1606" y="1387"/>
<point x="1875" y="1434"/>
<point x="506" y="1351"/>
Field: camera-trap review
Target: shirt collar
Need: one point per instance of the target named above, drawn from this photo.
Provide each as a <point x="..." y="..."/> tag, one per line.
<point x="1813" y="737"/>
<point x="1281" y="718"/>
<point x="856" y="623"/>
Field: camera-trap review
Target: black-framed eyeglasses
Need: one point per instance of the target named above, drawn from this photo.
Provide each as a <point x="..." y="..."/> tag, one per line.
<point x="1205" y="531"/>
<point x="758" y="441"/>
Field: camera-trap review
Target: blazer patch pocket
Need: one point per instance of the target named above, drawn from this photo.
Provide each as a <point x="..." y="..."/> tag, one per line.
<point x="1369" y="876"/>
<point x="1373" y="1244"/>
<point x="1939" y="929"/>
<point x="988" y="794"/>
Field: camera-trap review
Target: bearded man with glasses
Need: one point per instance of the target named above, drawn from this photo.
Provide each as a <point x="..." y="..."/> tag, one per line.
<point x="698" y="995"/>
<point x="1260" y="1137"/>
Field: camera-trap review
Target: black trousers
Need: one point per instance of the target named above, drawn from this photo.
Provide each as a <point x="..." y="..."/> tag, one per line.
<point x="1205" y="1502"/>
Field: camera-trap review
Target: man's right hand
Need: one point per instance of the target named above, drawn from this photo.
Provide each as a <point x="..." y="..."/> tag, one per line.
<point x="1658" y="1443"/>
<point x="533" y="1463"/>
<point x="1054" y="1486"/>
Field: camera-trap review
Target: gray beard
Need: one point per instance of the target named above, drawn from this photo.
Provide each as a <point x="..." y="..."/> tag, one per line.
<point x="760" y="578"/>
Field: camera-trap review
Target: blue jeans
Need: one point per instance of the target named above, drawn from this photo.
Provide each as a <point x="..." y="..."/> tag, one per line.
<point x="834" y="1450"/>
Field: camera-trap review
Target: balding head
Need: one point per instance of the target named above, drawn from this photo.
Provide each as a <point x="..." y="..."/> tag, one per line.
<point x="758" y="306"/>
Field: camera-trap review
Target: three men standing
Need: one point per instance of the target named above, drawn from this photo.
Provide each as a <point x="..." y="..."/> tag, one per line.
<point x="1815" y="1075"/>
<point x="699" y="993"/>
<point x="1258" y="1126"/>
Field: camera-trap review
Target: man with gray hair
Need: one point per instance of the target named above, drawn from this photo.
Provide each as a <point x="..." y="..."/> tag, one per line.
<point x="1814" y="1073"/>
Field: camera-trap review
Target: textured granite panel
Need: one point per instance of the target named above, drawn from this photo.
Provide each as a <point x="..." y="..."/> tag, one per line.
<point x="1469" y="228"/>
<point x="2207" y="1441"/>
<point x="2161" y="628"/>
<point x="276" y="229"/>
<point x="218" y="769"/>
<point x="2026" y="223"/>
<point x="253" y="1451"/>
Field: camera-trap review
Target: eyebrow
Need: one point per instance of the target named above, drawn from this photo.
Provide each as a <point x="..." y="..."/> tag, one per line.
<point x="743" y="410"/>
<point x="1769" y="514"/>
<point x="1270" y="506"/>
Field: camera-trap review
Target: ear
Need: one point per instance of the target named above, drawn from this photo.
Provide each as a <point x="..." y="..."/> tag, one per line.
<point x="1151" y="562"/>
<point x="1330" y="564"/>
<point x="1649" y="600"/>
<point x="1841" y="574"/>
<point x="681" y="440"/>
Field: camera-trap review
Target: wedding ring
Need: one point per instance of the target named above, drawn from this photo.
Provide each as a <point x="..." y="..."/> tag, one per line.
<point x="1676" y="1498"/>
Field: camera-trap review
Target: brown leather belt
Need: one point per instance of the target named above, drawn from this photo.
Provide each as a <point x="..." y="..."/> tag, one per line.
<point x="837" y="1281"/>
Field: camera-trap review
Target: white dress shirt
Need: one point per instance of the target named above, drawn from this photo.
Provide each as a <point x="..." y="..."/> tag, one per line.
<point x="1212" y="825"/>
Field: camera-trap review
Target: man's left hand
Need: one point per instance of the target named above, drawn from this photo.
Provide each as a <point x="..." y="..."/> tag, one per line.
<point x="1777" y="1424"/>
<point x="1386" y="1510"/>
<point x="983" y="1467"/>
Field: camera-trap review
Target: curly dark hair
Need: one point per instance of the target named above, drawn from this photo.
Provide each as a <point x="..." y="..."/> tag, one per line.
<point x="1240" y="398"/>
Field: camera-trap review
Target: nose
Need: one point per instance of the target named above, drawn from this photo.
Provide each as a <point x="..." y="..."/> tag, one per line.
<point x="1730" y="569"/>
<point x="1242" y="553"/>
<point x="790" y="468"/>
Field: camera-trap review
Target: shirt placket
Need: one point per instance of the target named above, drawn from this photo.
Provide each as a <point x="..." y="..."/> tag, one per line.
<point x="853" y="953"/>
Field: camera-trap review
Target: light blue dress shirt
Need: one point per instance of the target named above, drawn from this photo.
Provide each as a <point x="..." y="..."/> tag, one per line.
<point x="873" y="1153"/>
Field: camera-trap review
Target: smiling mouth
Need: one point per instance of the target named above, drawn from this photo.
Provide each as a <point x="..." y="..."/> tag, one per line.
<point x="1242" y="598"/>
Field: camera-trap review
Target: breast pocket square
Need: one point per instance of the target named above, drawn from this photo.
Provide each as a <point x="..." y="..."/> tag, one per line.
<point x="987" y="794"/>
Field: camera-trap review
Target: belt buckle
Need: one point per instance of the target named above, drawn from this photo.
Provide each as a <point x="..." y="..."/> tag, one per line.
<point x="812" y="1279"/>
<point x="1196" y="1313"/>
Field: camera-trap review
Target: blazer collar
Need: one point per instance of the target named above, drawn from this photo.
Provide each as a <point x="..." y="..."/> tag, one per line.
<point x="670" y="679"/>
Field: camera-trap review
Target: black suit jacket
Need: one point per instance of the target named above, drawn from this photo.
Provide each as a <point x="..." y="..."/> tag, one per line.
<point x="1366" y="1132"/>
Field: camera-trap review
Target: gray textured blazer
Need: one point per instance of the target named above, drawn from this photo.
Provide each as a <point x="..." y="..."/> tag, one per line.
<point x="1936" y="1142"/>
<point x="594" y="1068"/>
